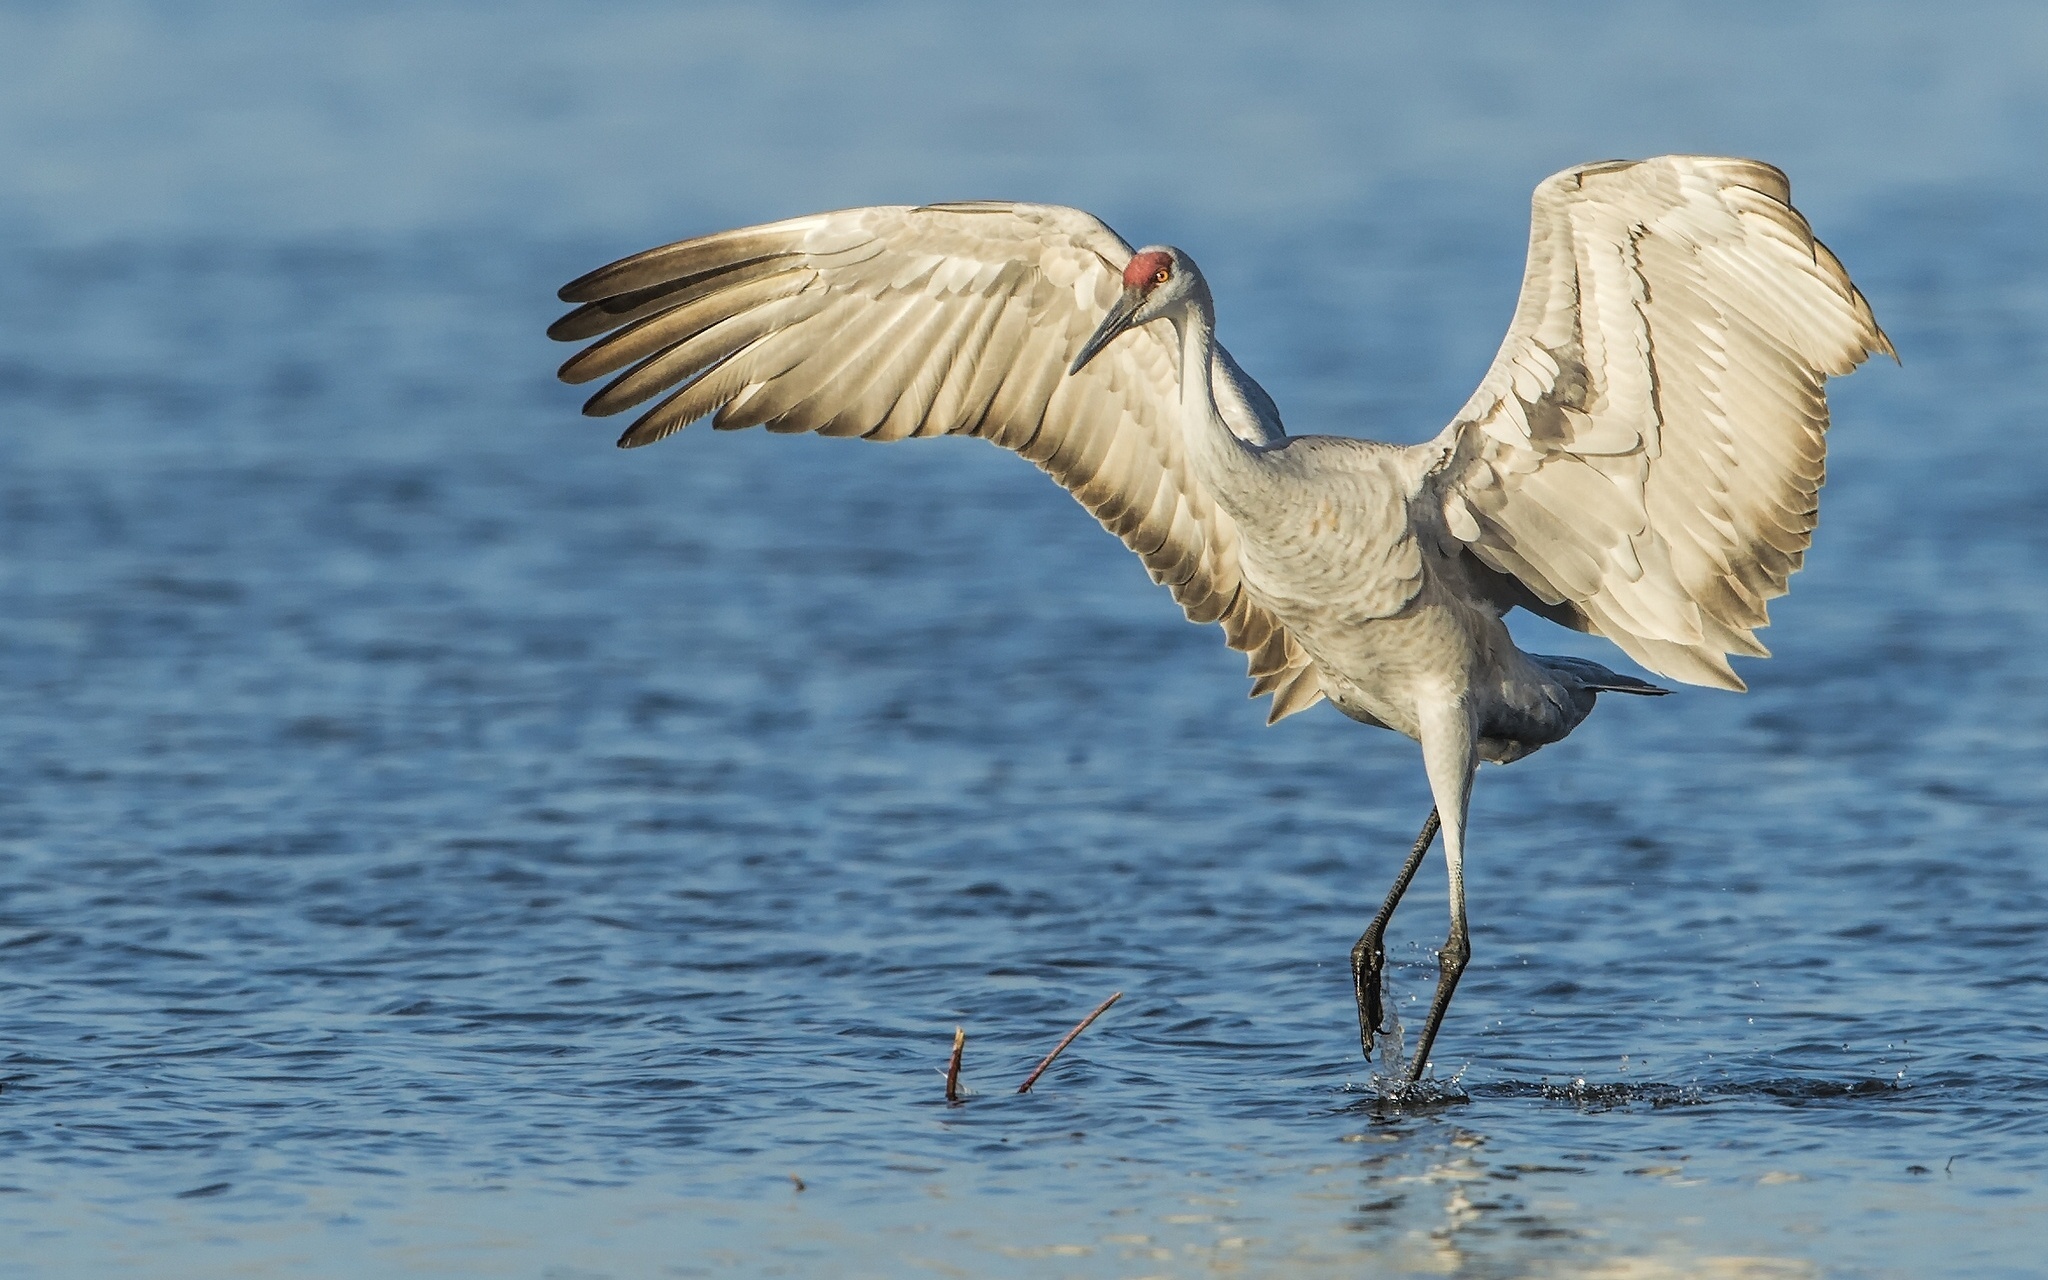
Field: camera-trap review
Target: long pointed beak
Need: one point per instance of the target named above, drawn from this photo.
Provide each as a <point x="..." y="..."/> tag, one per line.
<point x="1118" y="320"/>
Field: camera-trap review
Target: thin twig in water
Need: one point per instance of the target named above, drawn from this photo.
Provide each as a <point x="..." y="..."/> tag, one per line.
<point x="1061" y="1046"/>
<point x="953" y="1067"/>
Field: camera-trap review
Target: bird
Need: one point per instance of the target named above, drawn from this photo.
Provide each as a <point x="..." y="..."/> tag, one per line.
<point x="1642" y="460"/>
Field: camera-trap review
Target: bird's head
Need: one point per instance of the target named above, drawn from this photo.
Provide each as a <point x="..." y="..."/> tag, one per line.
<point x="1158" y="280"/>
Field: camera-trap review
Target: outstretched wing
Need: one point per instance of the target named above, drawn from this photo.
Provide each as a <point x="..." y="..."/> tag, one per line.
<point x="960" y="319"/>
<point x="1646" y="453"/>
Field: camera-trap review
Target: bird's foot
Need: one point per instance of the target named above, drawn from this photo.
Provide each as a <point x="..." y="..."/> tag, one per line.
<point x="1368" y="960"/>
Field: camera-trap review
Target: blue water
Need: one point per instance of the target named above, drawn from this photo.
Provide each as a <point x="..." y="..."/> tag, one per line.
<point x="433" y="842"/>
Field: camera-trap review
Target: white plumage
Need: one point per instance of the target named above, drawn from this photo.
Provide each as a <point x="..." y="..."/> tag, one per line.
<point x="1642" y="461"/>
<point x="1647" y="450"/>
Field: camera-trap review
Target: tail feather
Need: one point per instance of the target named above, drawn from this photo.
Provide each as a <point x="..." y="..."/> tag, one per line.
<point x="1595" y="678"/>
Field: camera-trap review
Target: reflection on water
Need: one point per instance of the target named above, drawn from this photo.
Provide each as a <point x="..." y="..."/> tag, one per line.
<point x="431" y="841"/>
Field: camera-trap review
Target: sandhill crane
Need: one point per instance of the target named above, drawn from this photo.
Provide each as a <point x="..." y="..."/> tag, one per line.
<point x="1642" y="460"/>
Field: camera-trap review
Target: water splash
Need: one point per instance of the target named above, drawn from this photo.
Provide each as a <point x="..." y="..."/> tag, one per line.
<point x="1595" y="1095"/>
<point x="1388" y="1085"/>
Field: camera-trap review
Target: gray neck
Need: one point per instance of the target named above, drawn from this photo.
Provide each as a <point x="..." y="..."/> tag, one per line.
<point x="1226" y="465"/>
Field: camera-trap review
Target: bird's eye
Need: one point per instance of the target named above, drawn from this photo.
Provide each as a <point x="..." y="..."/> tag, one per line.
<point x="1162" y="275"/>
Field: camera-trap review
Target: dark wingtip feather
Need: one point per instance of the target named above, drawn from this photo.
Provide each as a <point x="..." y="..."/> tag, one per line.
<point x="644" y="432"/>
<point x="586" y="287"/>
<point x="601" y="283"/>
<point x="668" y="263"/>
<point x="574" y="326"/>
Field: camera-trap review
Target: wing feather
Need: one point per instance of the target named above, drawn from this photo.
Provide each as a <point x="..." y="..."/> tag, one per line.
<point x="896" y="322"/>
<point x="1650" y="442"/>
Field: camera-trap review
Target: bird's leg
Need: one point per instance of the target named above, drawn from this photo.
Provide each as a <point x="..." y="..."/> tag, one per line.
<point x="1450" y="967"/>
<point x="1447" y="753"/>
<point x="1368" y="958"/>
